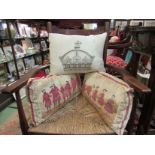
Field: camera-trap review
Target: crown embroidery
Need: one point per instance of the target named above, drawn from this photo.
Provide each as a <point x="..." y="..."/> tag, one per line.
<point x="76" y="59"/>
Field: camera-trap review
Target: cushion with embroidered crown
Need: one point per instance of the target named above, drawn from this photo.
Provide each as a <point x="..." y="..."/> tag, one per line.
<point x="76" y="53"/>
<point x="48" y="94"/>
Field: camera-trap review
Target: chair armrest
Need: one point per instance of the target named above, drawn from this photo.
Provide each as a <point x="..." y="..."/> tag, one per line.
<point x="18" y="84"/>
<point x="118" y="45"/>
<point x="137" y="85"/>
<point x="132" y="81"/>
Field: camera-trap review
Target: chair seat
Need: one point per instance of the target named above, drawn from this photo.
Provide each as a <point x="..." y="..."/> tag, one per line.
<point x="116" y="61"/>
<point x="77" y="117"/>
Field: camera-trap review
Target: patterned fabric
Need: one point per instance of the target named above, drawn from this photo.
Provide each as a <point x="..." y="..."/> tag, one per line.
<point x="76" y="53"/>
<point x="116" y="61"/>
<point x="77" y="117"/>
<point x="48" y="94"/>
<point x="112" y="98"/>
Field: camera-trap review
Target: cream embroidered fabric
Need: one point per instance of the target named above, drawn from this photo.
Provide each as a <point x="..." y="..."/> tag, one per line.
<point x="49" y="94"/>
<point x="112" y="98"/>
<point x="76" y="53"/>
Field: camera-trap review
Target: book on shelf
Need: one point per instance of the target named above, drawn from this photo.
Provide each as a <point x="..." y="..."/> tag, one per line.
<point x="27" y="31"/>
<point x="136" y="22"/>
<point x="8" y="53"/>
<point x="20" y="65"/>
<point x="36" y="46"/>
<point x="4" y="30"/>
<point x="2" y="56"/>
<point x="28" y="46"/>
<point x="38" y="59"/>
<point x="3" y="75"/>
<point x="27" y="43"/>
<point x="43" y="45"/>
<point x="33" y="32"/>
<point x="24" y="30"/>
<point x="29" y="62"/>
<point x="19" y="51"/>
<point x="121" y="24"/>
<point x="149" y="23"/>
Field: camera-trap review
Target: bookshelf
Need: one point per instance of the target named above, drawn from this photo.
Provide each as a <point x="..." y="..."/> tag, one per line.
<point x="22" y="57"/>
<point x="15" y="58"/>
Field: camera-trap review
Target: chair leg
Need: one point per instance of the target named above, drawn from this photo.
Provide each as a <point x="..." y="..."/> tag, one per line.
<point x="131" y="124"/>
<point x="22" y="118"/>
<point x="146" y="114"/>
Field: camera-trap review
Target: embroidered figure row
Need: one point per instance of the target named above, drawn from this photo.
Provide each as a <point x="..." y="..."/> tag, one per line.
<point x="58" y="95"/>
<point x="98" y="97"/>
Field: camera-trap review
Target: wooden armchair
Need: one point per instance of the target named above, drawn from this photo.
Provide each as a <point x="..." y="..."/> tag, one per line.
<point x="123" y="47"/>
<point x="47" y="127"/>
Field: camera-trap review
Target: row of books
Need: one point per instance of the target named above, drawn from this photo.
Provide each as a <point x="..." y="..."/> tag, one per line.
<point x="24" y="30"/>
<point x="145" y="23"/>
<point x="23" y="66"/>
<point x="27" y="48"/>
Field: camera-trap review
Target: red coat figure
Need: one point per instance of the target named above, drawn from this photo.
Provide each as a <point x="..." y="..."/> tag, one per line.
<point x="62" y="90"/>
<point x="94" y="94"/>
<point x="56" y="96"/>
<point x="68" y="89"/>
<point x="47" y="100"/>
<point x="88" y="89"/>
<point x="101" y="99"/>
<point x="110" y="105"/>
<point x="74" y="84"/>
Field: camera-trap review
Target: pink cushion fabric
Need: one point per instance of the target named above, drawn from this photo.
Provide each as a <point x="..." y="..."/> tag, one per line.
<point x="116" y="61"/>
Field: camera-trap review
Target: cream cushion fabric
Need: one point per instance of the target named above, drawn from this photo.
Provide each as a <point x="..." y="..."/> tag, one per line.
<point x="111" y="97"/>
<point x="76" y="53"/>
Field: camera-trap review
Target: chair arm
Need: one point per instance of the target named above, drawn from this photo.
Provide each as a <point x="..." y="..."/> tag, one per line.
<point x="132" y="81"/>
<point x="18" y="84"/>
<point x="118" y="45"/>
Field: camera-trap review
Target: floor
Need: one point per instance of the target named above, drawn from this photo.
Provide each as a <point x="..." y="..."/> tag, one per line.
<point x="6" y="113"/>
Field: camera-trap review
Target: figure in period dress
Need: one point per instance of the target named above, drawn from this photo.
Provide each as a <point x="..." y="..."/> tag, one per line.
<point x="47" y="100"/>
<point x="74" y="84"/>
<point x="101" y="98"/>
<point x="110" y="106"/>
<point x="87" y="88"/>
<point x="94" y="94"/>
<point x="62" y="90"/>
<point x="68" y="90"/>
<point x="56" y="95"/>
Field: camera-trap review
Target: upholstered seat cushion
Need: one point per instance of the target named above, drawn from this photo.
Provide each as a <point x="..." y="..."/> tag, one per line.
<point x="77" y="117"/>
<point x="116" y="61"/>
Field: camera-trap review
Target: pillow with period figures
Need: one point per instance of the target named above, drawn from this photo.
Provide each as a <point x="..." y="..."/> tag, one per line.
<point x="76" y="53"/>
<point x="111" y="96"/>
<point x="48" y="94"/>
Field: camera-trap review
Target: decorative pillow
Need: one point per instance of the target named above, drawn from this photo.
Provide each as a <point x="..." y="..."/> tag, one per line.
<point x="48" y="94"/>
<point x="76" y="53"/>
<point x="111" y="97"/>
<point x="116" y="61"/>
